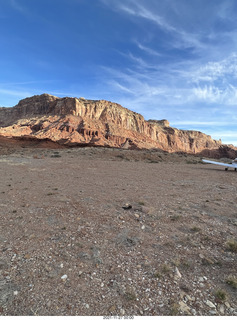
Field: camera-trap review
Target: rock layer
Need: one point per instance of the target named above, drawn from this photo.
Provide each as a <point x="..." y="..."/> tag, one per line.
<point x="77" y="121"/>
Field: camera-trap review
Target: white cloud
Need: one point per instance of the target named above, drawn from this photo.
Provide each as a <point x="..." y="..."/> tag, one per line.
<point x="18" y="93"/>
<point x="219" y="95"/>
<point x="201" y="123"/>
<point x="147" y="49"/>
<point x="215" y="70"/>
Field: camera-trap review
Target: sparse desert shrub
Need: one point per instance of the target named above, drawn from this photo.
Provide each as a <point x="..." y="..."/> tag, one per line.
<point x="221" y="295"/>
<point x="232" y="245"/>
<point x="174" y="309"/>
<point x="130" y="296"/>
<point x="165" y="268"/>
<point x="232" y="281"/>
<point x="195" y="229"/>
<point x="185" y="264"/>
<point x="157" y="275"/>
<point x="175" y="217"/>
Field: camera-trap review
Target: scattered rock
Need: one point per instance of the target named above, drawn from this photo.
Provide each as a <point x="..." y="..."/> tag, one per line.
<point x="183" y="307"/>
<point x="222" y="309"/>
<point x="127" y="206"/>
<point x="3" y="264"/>
<point x="64" y="277"/>
<point x="7" y="290"/>
<point x="207" y="261"/>
<point x="177" y="274"/>
<point x="213" y="312"/>
<point x="194" y="312"/>
<point x="122" y="311"/>
<point x="210" y="304"/>
<point x="112" y="309"/>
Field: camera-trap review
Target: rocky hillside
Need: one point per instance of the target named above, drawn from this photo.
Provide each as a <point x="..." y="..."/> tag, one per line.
<point x="77" y="121"/>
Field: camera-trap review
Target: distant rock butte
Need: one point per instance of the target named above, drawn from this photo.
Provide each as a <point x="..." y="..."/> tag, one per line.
<point x="77" y="121"/>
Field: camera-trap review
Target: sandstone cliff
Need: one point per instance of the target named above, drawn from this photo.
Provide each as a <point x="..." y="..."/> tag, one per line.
<point x="77" y="121"/>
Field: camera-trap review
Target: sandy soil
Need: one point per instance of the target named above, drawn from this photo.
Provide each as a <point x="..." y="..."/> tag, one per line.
<point x="115" y="232"/>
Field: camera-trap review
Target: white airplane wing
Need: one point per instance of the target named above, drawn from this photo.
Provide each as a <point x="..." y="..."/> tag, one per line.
<point x="221" y="163"/>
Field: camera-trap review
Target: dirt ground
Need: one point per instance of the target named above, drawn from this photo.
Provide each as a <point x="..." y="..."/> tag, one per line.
<point x="96" y="231"/>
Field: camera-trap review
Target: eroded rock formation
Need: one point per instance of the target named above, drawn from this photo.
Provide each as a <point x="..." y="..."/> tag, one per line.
<point x="77" y="121"/>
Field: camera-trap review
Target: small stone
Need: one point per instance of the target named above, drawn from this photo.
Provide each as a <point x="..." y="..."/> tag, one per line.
<point x="15" y="293"/>
<point x="64" y="277"/>
<point x="210" y="304"/>
<point x="227" y="304"/>
<point x="87" y="306"/>
<point x="183" y="307"/>
<point x="194" y="312"/>
<point x="61" y="265"/>
<point x="213" y="312"/>
<point x="3" y="264"/>
<point x="207" y="261"/>
<point x="80" y="273"/>
<point x="177" y="274"/>
<point x="137" y="215"/>
<point x="222" y="309"/>
<point x="122" y="311"/>
<point x="112" y="309"/>
<point x="127" y="206"/>
<point x="102" y="285"/>
<point x="201" y="279"/>
<point x="143" y="227"/>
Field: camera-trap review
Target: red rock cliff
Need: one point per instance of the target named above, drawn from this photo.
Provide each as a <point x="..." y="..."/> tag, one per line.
<point x="96" y="122"/>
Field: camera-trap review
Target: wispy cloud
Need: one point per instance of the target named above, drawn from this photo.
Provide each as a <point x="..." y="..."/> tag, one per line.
<point x="147" y="49"/>
<point x="180" y="37"/>
<point x="201" y="123"/>
<point x="17" y="93"/>
<point x="213" y="94"/>
<point x="138" y="10"/>
<point x="217" y="70"/>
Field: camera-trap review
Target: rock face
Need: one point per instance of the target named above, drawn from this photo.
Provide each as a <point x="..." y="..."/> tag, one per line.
<point x="77" y="121"/>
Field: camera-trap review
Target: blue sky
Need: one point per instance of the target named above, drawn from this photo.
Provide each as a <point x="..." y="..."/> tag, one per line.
<point x="165" y="59"/>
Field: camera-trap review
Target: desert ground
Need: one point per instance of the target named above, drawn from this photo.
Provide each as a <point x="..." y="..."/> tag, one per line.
<point x="98" y="231"/>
